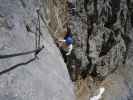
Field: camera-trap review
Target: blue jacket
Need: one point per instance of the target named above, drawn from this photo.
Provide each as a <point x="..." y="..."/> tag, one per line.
<point x="69" y="39"/>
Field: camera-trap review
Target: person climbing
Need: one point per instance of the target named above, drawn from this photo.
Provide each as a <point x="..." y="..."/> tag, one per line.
<point x="66" y="43"/>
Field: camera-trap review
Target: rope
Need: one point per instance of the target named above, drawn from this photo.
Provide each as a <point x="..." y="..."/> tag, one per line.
<point x="21" y="53"/>
<point x="37" y="49"/>
<point x="36" y="39"/>
<point x="38" y="32"/>
<point x="43" y="20"/>
<point x="39" y="28"/>
<point x="16" y="66"/>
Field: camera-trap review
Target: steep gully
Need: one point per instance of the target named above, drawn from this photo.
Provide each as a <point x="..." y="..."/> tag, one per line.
<point x="115" y="43"/>
<point x="100" y="48"/>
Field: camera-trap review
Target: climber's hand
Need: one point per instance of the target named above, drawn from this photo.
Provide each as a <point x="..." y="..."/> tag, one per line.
<point x="61" y="40"/>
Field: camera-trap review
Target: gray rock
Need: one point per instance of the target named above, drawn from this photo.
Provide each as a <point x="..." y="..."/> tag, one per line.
<point x="104" y="37"/>
<point x="45" y="78"/>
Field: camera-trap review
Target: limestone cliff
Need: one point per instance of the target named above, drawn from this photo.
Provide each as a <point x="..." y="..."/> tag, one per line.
<point x="28" y="77"/>
<point x="103" y="44"/>
<point x="102" y="54"/>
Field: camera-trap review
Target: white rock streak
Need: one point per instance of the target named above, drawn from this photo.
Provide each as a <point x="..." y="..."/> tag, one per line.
<point x="99" y="96"/>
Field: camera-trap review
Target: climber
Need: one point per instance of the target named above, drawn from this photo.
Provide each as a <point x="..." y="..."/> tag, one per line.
<point x="66" y="43"/>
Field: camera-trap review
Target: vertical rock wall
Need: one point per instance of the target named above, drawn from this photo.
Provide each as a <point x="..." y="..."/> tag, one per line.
<point x="98" y="36"/>
<point x="103" y="43"/>
<point x="44" y="78"/>
<point x="55" y="16"/>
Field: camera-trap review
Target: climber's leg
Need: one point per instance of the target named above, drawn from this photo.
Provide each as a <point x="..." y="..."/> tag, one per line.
<point x="64" y="55"/>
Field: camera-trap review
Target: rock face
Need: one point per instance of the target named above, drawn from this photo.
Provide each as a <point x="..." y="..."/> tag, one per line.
<point x="103" y="43"/>
<point x="44" y="78"/>
<point x="98" y="37"/>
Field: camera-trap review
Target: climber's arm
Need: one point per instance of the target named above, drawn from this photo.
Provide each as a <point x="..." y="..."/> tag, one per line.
<point x="62" y="40"/>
